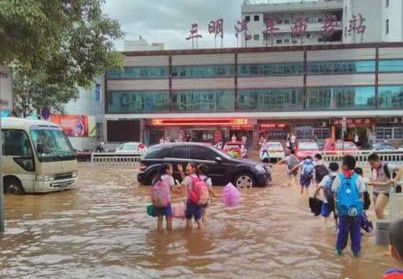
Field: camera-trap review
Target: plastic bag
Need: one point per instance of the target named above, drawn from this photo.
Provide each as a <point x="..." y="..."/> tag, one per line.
<point x="178" y="210"/>
<point x="150" y="210"/>
<point x="231" y="195"/>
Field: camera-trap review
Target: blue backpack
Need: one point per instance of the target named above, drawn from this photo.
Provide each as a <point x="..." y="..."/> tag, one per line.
<point x="307" y="169"/>
<point x="348" y="201"/>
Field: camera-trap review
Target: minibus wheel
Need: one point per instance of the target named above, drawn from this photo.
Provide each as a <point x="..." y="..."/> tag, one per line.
<point x="13" y="186"/>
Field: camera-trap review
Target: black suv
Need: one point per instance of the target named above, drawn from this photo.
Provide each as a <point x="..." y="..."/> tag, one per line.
<point x="222" y="168"/>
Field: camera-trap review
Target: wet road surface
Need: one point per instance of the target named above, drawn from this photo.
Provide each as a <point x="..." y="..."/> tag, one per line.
<point x="101" y="230"/>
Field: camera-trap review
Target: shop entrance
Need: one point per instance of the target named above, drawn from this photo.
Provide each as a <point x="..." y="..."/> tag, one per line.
<point x="350" y="135"/>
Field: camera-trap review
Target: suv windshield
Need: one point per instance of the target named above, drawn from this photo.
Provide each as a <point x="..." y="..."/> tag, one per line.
<point x="129" y="146"/>
<point x="51" y="145"/>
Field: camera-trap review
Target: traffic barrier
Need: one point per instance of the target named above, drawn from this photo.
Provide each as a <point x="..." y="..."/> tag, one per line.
<point x="115" y="160"/>
<point x="394" y="156"/>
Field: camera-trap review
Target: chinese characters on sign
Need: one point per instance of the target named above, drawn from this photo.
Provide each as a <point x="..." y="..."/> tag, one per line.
<point x="329" y="25"/>
<point x="241" y="27"/>
<point x="217" y="28"/>
<point x="194" y="34"/>
<point x="357" y="24"/>
<point x="270" y="30"/>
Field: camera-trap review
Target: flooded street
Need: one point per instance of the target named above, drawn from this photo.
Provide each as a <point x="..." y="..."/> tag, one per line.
<point x="102" y="230"/>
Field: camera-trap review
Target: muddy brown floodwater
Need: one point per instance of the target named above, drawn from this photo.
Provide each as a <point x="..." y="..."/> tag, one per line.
<point x="101" y="230"/>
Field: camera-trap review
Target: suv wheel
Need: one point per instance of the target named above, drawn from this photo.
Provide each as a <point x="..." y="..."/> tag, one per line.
<point x="244" y="180"/>
<point x="13" y="186"/>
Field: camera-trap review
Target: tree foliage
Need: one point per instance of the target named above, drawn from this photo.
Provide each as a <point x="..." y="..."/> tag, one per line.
<point x="55" y="46"/>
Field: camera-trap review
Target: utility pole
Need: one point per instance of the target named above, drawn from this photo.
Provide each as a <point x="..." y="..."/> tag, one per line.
<point x="2" y="75"/>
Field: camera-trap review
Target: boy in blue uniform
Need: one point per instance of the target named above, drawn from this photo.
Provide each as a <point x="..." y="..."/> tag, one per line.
<point x="349" y="188"/>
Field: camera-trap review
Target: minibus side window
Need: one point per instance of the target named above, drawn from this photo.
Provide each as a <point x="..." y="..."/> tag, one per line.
<point x="16" y="143"/>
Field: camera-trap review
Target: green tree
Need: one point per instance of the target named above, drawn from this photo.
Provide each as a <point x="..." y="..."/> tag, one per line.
<point x="55" y="46"/>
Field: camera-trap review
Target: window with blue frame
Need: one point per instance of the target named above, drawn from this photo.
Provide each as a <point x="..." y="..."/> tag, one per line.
<point x="138" y="102"/>
<point x="270" y="99"/>
<point x="203" y="101"/>
<point x="139" y="73"/>
<point x="340" y="67"/>
<point x="390" y="66"/>
<point x="202" y="71"/>
<point x="390" y="97"/>
<point x="290" y="69"/>
<point x="331" y="98"/>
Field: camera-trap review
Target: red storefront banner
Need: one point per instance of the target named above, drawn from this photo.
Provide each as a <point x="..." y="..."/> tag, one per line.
<point x="72" y="125"/>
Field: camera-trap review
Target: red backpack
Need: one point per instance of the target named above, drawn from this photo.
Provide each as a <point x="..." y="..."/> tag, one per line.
<point x="198" y="193"/>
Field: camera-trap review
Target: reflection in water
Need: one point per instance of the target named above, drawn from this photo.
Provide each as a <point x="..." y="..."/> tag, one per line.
<point x="102" y="230"/>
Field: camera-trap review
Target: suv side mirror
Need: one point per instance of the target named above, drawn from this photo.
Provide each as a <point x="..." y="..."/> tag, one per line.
<point x="218" y="159"/>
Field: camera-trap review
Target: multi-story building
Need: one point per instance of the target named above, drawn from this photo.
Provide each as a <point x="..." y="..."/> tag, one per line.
<point x="322" y="22"/>
<point x="214" y="93"/>
<point x="90" y="105"/>
<point x="282" y="18"/>
<point x="6" y="99"/>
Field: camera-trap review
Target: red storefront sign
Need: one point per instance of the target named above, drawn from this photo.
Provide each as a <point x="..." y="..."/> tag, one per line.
<point x="201" y="122"/>
<point x="355" y="122"/>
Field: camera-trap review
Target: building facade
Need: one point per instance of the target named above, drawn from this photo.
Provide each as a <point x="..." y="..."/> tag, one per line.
<point x="323" y="22"/>
<point x="90" y="105"/>
<point x="211" y="94"/>
<point x="6" y="86"/>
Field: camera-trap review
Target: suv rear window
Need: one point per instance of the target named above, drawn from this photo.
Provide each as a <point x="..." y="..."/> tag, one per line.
<point x="157" y="152"/>
<point x="202" y="153"/>
<point x="181" y="152"/>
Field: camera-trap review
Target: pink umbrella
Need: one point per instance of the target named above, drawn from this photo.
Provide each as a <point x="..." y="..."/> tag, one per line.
<point x="231" y="195"/>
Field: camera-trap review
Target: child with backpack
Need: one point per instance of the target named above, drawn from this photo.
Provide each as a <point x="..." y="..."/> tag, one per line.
<point x="349" y="188"/>
<point x="325" y="185"/>
<point x="320" y="169"/>
<point x="307" y="172"/>
<point x="396" y="250"/>
<point x="197" y="194"/>
<point x="291" y="161"/>
<point x="161" y="196"/>
<point x="202" y="171"/>
<point x="366" y="224"/>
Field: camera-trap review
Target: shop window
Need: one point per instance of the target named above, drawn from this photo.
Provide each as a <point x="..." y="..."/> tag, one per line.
<point x="398" y="133"/>
<point x="321" y="133"/>
<point x="256" y="18"/>
<point x="304" y="132"/>
<point x="383" y="133"/>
